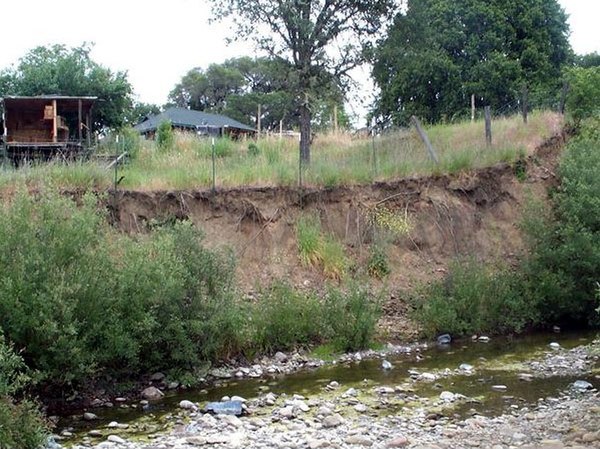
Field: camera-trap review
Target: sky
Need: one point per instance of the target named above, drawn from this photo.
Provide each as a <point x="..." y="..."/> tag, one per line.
<point x="157" y="42"/>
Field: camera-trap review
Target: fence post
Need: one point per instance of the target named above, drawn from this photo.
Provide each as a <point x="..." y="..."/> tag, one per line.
<point x="373" y="153"/>
<point x="524" y="102"/>
<point x="214" y="172"/>
<point x="488" y="125"/>
<point x="472" y="107"/>
<point x="425" y="139"/>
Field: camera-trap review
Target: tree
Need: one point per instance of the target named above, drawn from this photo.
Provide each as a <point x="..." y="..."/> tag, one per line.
<point x="238" y="86"/>
<point x="439" y="52"/>
<point x="60" y="70"/>
<point x="316" y="37"/>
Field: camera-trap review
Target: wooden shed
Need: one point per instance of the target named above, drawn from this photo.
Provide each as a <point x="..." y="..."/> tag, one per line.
<point x="45" y="127"/>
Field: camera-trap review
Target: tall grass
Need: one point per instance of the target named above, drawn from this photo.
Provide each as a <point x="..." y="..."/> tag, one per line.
<point x="337" y="159"/>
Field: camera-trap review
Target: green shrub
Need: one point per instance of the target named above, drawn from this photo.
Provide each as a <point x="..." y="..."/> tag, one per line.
<point x="21" y="423"/>
<point x="308" y="234"/>
<point x="165" y="137"/>
<point x="253" y="149"/>
<point x="474" y="298"/>
<point x="285" y="318"/>
<point x="583" y="100"/>
<point x="377" y="265"/>
<point x="351" y="318"/>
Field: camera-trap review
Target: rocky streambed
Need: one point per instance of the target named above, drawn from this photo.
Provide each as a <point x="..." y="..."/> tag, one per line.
<point x="540" y="391"/>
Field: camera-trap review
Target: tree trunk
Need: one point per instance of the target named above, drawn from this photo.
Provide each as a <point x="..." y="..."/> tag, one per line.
<point x="305" y="134"/>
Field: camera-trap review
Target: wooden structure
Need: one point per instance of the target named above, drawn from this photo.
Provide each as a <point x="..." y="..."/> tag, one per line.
<point x="45" y="127"/>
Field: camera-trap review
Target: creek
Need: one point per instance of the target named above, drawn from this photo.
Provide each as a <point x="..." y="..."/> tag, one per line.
<point x="499" y="362"/>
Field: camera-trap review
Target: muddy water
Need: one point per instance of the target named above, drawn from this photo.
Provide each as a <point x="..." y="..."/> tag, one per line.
<point x="494" y="363"/>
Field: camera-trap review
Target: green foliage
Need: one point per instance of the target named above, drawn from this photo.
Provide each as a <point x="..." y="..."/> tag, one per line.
<point x="165" y="136"/>
<point x="351" y="317"/>
<point x="377" y="265"/>
<point x="62" y="70"/>
<point x="253" y="149"/>
<point x="565" y="262"/>
<point x="473" y="298"/>
<point x="308" y="233"/>
<point x="82" y="299"/>
<point x="21" y="423"/>
<point x="439" y="52"/>
<point x="583" y="100"/>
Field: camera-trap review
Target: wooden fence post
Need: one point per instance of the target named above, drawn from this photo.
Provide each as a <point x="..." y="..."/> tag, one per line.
<point x="488" y="125"/>
<point x="425" y="139"/>
<point x="524" y="103"/>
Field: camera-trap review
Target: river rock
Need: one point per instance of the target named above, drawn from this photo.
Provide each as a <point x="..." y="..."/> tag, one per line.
<point x="447" y="396"/>
<point x="95" y="433"/>
<point x="188" y="405"/>
<point x="116" y="439"/>
<point x="359" y="440"/>
<point x="444" y="339"/>
<point x="280" y="357"/>
<point x="89" y="416"/>
<point x="499" y="387"/>
<point x="157" y="377"/>
<point x="399" y="441"/>
<point x="334" y="420"/>
<point x="360" y="408"/>
<point x="287" y="412"/>
<point x="152" y="394"/>
<point x="554" y="346"/>
<point x="324" y="411"/>
<point x="483" y="339"/>
<point x="386" y="365"/>
<point x="465" y="367"/>
<point x="238" y="398"/>
<point x="582" y="385"/>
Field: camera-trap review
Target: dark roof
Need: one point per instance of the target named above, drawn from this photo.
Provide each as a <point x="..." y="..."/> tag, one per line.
<point x="37" y="101"/>
<point x="190" y="119"/>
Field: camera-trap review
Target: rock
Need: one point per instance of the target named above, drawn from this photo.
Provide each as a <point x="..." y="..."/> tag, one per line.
<point x="399" y="441"/>
<point x="358" y="440"/>
<point x="386" y="365"/>
<point x="554" y="346"/>
<point x="360" y="408"/>
<point x="590" y="437"/>
<point x="316" y="444"/>
<point x="426" y="377"/>
<point x="385" y="390"/>
<point x="196" y="440"/>
<point x="324" y="411"/>
<point x="231" y="420"/>
<point x="89" y="416"/>
<point x="157" y="377"/>
<point x="188" y="405"/>
<point x="334" y="420"/>
<point x="116" y="439"/>
<point x="465" y="367"/>
<point x="280" y="357"/>
<point x="556" y="329"/>
<point x="483" y="339"/>
<point x="333" y="385"/>
<point x="582" y="385"/>
<point x="447" y="396"/>
<point x="152" y="394"/>
<point x="300" y="405"/>
<point x="518" y="437"/>
<point x="287" y="412"/>
<point x="225" y="408"/>
<point x="525" y="377"/>
<point x="173" y="385"/>
<point x="499" y="387"/>
<point x="444" y="339"/>
<point x="95" y="433"/>
<point x="551" y="444"/>
<point x="238" y="398"/>
<point x="350" y="392"/>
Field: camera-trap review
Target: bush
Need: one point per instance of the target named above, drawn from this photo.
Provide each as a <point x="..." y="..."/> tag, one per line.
<point x="84" y="300"/>
<point x="377" y="265"/>
<point x="21" y="423"/>
<point x="583" y="100"/>
<point x="351" y="318"/>
<point x="165" y="137"/>
<point x="474" y="298"/>
<point x="253" y="149"/>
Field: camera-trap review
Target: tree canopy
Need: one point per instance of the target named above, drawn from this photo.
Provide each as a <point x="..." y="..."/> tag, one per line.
<point x="61" y="70"/>
<point x="238" y="86"/>
<point x="315" y="37"/>
<point x="439" y="52"/>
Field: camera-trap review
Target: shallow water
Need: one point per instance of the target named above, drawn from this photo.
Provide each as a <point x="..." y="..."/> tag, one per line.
<point x="495" y="363"/>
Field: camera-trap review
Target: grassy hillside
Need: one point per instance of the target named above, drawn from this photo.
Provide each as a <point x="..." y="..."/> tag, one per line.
<point x="336" y="159"/>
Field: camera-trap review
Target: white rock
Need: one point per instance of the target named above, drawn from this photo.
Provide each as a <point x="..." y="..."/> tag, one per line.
<point x="152" y="393"/>
<point x="447" y="396"/>
<point x="89" y="416"/>
<point x="333" y="421"/>
<point x="116" y="439"/>
<point x="554" y="345"/>
<point x="188" y="405"/>
<point x="386" y="365"/>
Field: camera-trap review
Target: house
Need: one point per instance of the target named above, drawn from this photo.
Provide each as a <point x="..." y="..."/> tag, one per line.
<point x="45" y="126"/>
<point x="198" y="122"/>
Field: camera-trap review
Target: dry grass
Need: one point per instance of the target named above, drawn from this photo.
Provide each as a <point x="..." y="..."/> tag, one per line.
<point x="336" y="159"/>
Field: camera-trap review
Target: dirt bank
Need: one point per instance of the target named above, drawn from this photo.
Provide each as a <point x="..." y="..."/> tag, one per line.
<point x="470" y="213"/>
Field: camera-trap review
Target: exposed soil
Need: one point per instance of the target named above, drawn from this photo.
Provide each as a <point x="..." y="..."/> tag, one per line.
<point x="473" y="213"/>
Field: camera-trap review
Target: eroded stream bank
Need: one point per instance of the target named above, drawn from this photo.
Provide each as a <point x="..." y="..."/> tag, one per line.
<point x="467" y="394"/>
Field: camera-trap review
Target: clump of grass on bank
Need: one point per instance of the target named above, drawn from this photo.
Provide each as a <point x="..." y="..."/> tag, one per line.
<point x="320" y="249"/>
<point x="184" y="161"/>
